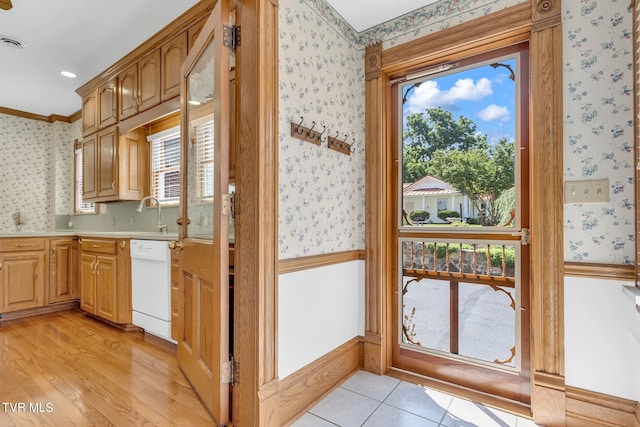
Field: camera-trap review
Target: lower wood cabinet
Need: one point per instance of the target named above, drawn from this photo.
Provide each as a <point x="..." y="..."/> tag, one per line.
<point x="63" y="270"/>
<point x="22" y="274"/>
<point x="105" y="283"/>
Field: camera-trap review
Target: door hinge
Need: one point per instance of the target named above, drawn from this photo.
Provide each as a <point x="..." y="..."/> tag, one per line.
<point x="229" y="204"/>
<point x="525" y="236"/>
<point x="231" y="37"/>
<point x="230" y="371"/>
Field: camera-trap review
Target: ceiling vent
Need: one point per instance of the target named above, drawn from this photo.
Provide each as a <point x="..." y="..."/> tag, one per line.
<point x="9" y="42"/>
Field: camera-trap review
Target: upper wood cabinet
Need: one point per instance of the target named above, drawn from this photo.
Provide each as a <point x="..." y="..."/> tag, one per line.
<point x="172" y="55"/>
<point x="107" y="162"/>
<point x="115" y="167"/>
<point x="108" y="104"/>
<point x="139" y="87"/>
<point x="89" y="160"/>
<point x="194" y="31"/>
<point x="90" y="113"/>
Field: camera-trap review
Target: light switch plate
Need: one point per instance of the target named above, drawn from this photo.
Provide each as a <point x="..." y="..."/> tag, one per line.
<point x="587" y="191"/>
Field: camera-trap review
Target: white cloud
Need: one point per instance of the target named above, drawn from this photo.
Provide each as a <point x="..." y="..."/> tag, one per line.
<point x="494" y="112"/>
<point x="430" y="95"/>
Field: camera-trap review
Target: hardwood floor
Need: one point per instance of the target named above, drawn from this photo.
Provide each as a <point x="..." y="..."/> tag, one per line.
<point x="68" y="369"/>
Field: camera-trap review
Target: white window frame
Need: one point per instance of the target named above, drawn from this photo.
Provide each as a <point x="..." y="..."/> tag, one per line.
<point x="157" y="169"/>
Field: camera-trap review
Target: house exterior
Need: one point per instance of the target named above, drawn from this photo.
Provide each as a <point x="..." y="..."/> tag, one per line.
<point x="321" y="309"/>
<point x="432" y="195"/>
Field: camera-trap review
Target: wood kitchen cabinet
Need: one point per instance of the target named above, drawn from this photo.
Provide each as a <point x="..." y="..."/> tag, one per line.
<point x="63" y="271"/>
<point x="107" y="104"/>
<point x="115" y="167"/>
<point x="105" y="283"/>
<point x="172" y="56"/>
<point x="90" y="113"/>
<point x="99" y="165"/>
<point x="22" y="274"/>
<point x="139" y="86"/>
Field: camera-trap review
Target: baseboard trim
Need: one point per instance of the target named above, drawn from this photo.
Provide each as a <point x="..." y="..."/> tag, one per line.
<point x="585" y="407"/>
<point x="302" y="389"/>
<point x="12" y="315"/>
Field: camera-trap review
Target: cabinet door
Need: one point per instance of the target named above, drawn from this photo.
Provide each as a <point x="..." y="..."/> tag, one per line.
<point x="149" y="81"/>
<point x="62" y="270"/>
<point x="194" y="31"/>
<point x="21" y="280"/>
<point x="107" y="164"/>
<point x="89" y="171"/>
<point x="108" y="104"/>
<point x="133" y="159"/>
<point x="128" y="92"/>
<point x="87" y="282"/>
<point x="106" y="287"/>
<point x="90" y="113"/>
<point x="173" y="54"/>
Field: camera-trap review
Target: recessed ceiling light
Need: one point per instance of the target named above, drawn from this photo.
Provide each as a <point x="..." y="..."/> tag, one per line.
<point x="68" y="74"/>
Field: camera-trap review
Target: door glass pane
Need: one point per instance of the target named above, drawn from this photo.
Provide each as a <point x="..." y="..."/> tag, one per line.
<point x="458" y="136"/>
<point x="459" y="298"/>
<point x="200" y="148"/>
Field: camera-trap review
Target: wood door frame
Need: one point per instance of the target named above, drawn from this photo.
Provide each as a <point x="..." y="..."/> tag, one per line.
<point x="539" y="22"/>
<point x="256" y="394"/>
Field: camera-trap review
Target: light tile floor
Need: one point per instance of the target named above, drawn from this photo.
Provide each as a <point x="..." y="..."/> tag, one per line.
<point x="371" y="400"/>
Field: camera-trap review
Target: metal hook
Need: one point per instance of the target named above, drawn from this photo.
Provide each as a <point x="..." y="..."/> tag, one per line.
<point x="298" y="130"/>
<point x="312" y="134"/>
<point x="324" y="129"/>
<point x="351" y="149"/>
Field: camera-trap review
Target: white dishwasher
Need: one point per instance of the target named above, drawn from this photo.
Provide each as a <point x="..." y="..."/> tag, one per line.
<point x="151" y="287"/>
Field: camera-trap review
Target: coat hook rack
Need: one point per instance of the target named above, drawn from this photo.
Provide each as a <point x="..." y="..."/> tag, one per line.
<point x="305" y="134"/>
<point x="339" y="145"/>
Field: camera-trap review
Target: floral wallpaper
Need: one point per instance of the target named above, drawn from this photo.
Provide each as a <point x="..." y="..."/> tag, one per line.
<point x="598" y="128"/>
<point x="321" y="191"/>
<point x="28" y="172"/>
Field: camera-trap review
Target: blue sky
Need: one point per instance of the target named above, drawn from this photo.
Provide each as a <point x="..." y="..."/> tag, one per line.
<point x="483" y="94"/>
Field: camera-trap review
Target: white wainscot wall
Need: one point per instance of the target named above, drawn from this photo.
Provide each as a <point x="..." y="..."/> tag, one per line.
<point x="318" y="310"/>
<point x="602" y="337"/>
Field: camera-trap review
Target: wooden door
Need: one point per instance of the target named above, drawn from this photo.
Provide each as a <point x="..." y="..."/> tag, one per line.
<point x="203" y="341"/>
<point x="62" y="270"/>
<point x="21" y="280"/>
<point x="90" y="113"/>
<point x="107" y="162"/>
<point x="89" y="171"/>
<point x="173" y="54"/>
<point x="107" y="104"/>
<point x="87" y="282"/>
<point x="106" y="287"/>
<point x="128" y="92"/>
<point x="149" y="81"/>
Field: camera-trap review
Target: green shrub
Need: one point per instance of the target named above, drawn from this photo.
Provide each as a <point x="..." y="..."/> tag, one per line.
<point x="474" y="221"/>
<point x="419" y="216"/>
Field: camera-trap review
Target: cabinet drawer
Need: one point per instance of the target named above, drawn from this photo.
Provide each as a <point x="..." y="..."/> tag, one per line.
<point x="99" y="246"/>
<point x="13" y="245"/>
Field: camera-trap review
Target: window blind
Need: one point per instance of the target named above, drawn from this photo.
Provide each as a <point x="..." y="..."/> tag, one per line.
<point x="205" y="158"/>
<point x="165" y="167"/>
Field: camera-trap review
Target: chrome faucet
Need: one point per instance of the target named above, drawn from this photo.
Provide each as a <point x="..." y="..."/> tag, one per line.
<point x="162" y="228"/>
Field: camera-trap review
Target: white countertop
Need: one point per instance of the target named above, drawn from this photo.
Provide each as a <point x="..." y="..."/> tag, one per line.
<point x="144" y="235"/>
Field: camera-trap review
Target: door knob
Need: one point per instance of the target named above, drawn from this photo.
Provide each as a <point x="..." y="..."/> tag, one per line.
<point x="175" y="245"/>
